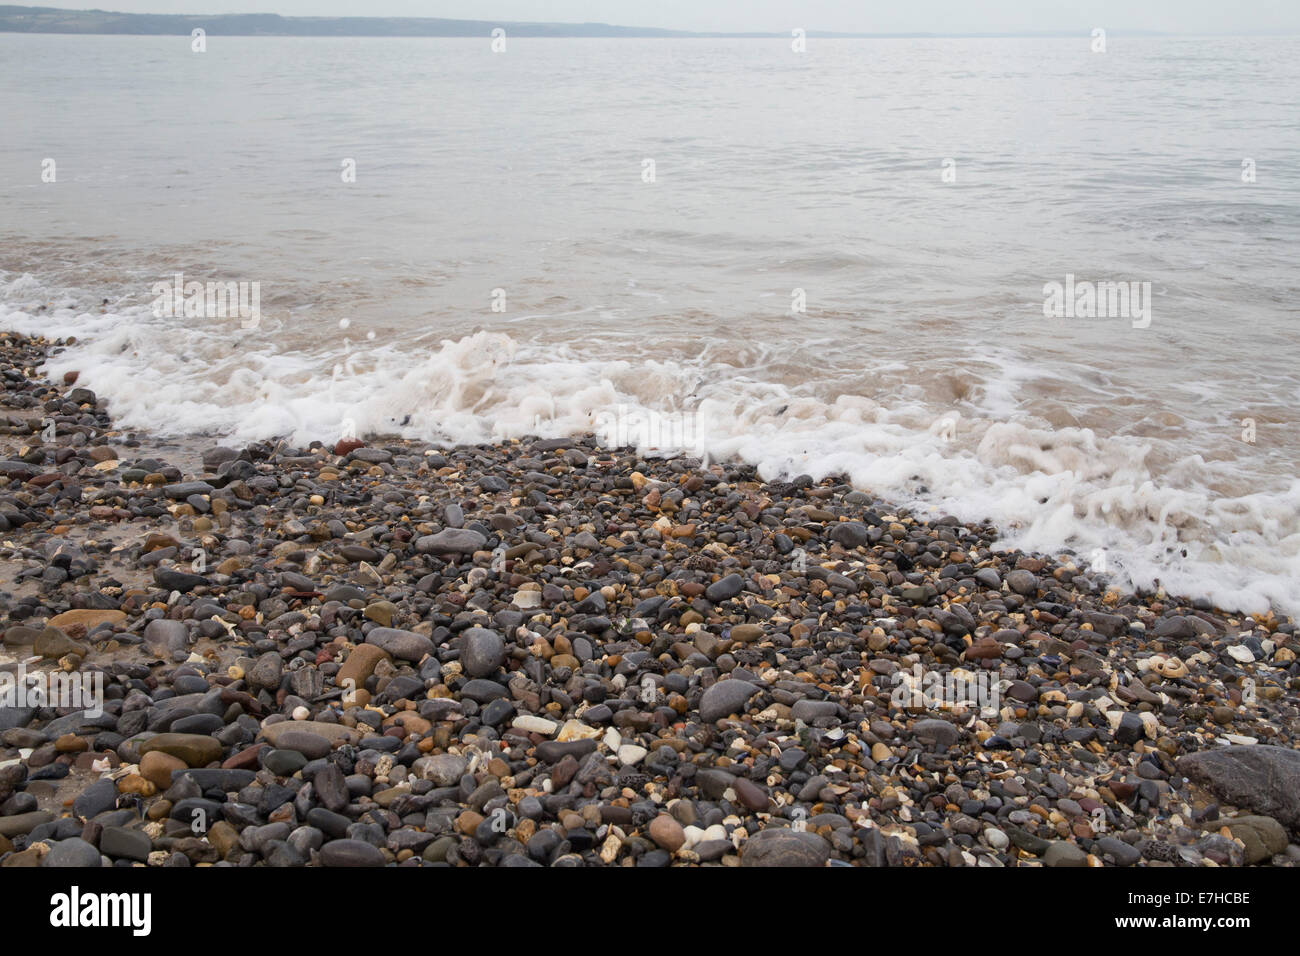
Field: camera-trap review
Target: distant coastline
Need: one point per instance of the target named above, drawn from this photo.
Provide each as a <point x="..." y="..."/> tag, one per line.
<point x="16" y="19"/>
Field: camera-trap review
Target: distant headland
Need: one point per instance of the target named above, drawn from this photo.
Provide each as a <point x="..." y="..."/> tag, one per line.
<point x="15" y="19"/>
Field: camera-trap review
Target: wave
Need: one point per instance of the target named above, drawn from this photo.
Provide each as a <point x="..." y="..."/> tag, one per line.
<point x="1148" y="513"/>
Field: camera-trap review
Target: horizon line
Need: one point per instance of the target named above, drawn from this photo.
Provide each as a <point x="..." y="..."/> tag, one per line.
<point x="9" y="12"/>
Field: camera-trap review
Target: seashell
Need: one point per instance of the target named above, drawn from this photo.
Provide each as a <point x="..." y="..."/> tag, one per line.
<point x="1170" y="667"/>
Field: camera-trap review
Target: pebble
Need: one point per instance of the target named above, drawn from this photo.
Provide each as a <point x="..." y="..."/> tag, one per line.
<point x="125" y="844"/>
<point x="196" y="750"/>
<point x="1022" y="582"/>
<point x="403" y="645"/>
<point x="725" y="698"/>
<point x="482" y="652"/>
<point x="545" y="652"/>
<point x="667" y="833"/>
<point x="785" y="848"/>
<point x="462" y="540"/>
<point x="351" y="853"/>
<point x="75" y="852"/>
<point x="1064" y="854"/>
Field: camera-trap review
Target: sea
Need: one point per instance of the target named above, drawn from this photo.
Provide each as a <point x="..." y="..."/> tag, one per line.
<point x="1021" y="280"/>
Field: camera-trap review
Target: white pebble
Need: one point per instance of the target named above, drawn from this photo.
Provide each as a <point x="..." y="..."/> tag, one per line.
<point x="527" y="599"/>
<point x="631" y="754"/>
<point x="532" y="724"/>
<point x="577" y="730"/>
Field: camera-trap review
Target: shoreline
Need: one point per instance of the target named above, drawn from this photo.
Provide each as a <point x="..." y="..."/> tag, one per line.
<point x="567" y="655"/>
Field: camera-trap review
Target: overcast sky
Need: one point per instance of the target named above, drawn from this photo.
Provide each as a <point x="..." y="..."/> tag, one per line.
<point x="849" y="16"/>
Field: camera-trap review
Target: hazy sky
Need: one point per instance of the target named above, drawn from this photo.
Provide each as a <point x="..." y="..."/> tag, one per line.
<point x="862" y="16"/>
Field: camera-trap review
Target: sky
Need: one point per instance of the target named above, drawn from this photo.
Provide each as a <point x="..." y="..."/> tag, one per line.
<point x="846" y="16"/>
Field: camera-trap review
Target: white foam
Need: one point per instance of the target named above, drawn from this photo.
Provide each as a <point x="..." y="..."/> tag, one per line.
<point x="1047" y="488"/>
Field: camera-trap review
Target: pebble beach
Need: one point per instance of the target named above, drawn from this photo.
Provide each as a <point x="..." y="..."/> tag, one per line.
<point x="551" y="653"/>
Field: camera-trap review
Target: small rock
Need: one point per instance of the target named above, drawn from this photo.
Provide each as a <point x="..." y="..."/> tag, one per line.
<point x="782" y="848"/>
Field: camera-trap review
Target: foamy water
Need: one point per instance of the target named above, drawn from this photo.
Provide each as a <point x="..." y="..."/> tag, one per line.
<point x="660" y="311"/>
